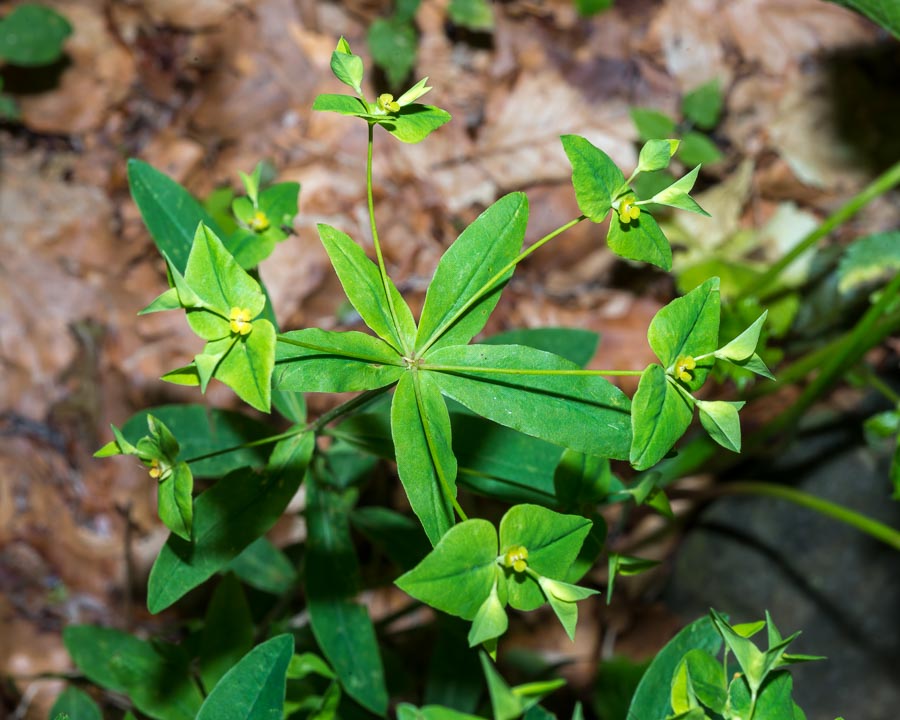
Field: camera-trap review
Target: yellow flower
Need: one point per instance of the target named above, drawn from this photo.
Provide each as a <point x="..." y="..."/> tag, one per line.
<point x="260" y="222"/>
<point x="683" y="367"/>
<point x="516" y="558"/>
<point x="155" y="469"/>
<point x="386" y="104"/>
<point x="240" y="321"/>
<point x="628" y="211"/>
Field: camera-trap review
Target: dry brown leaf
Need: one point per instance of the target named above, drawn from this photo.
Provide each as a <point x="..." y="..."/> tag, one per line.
<point x="98" y="78"/>
<point x="193" y="15"/>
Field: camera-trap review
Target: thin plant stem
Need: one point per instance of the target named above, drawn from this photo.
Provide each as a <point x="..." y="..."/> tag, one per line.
<point x="381" y="267"/>
<point x="863" y="523"/>
<point x="497" y="277"/>
<point x="316" y="426"/>
<point x="882" y="184"/>
<point x="525" y="371"/>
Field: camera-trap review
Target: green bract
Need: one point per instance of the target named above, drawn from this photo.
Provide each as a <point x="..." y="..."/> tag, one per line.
<point x="403" y="118"/>
<point x="473" y="572"/>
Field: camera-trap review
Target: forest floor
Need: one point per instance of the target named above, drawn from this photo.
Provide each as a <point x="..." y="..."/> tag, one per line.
<point x="202" y="90"/>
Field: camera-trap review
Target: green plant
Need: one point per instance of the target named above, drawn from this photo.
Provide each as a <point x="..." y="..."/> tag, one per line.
<point x="515" y="418"/>
<point x="30" y="36"/>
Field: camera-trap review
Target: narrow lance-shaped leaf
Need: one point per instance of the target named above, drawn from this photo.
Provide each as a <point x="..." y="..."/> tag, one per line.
<point x="583" y="412"/>
<point x="484" y="248"/>
<point x="676" y="195"/>
<point x="420" y="426"/>
<point x="365" y="290"/>
<point x="342" y="627"/>
<point x="313" y="360"/>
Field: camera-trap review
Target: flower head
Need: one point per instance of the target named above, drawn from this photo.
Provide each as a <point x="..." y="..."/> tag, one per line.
<point x="259" y="222"/>
<point x="628" y="210"/>
<point x="239" y="320"/>
<point x="683" y="367"/>
<point x="516" y="558"/>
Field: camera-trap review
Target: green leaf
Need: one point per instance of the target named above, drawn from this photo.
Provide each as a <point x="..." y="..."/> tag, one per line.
<point x="870" y="259"/>
<point x="170" y="212"/>
<point x="202" y="430"/>
<point x="227" y="631"/>
<point x="697" y="149"/>
<point x="473" y="14"/>
<point x="688" y="327"/>
<point x="676" y="195"/>
<point x="657" y="680"/>
<point x="614" y="686"/>
<point x="342" y="627"/>
<point x="32" y="35"/>
<point x="707" y="679"/>
<point x="652" y="124"/>
<point x="254" y="688"/>
<point x="399" y="536"/>
<point x="659" y="416"/>
<point x="581" y="480"/>
<point x="589" y="8"/>
<point x="420" y="427"/>
<point x="453" y="312"/>
<point x="72" y="703"/>
<point x="774" y="701"/>
<point x="247" y="368"/>
<point x="655" y="155"/>
<point x="703" y="104"/>
<point x="175" y="500"/>
<point x="227" y="518"/>
<point x="154" y="675"/>
<point x="263" y="566"/>
<point x="682" y="697"/>
<point x="343" y="104"/>
<point x="347" y="67"/>
<point x="499" y="383"/>
<point x="490" y="622"/>
<point x="459" y="574"/>
<point x="393" y="43"/>
<point x="641" y="240"/>
<point x="279" y="203"/>
<point x="365" y="290"/>
<point x="574" y="344"/>
<point x="751" y="660"/>
<point x="626" y="566"/>
<point x="415" y="122"/>
<point x="884" y="12"/>
<point x="307" y="664"/>
<point x="248" y="248"/>
<point x="596" y="178"/>
<point x="744" y="345"/>
<point x="720" y="419"/>
<point x="552" y="540"/>
<point x="562" y="597"/>
<point x="219" y="282"/>
<point x="505" y="704"/>
<point x="314" y="360"/>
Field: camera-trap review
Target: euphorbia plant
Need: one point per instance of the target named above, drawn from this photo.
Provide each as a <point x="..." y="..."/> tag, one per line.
<point x="545" y="428"/>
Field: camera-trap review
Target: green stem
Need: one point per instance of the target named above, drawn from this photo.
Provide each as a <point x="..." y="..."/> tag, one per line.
<point x="439" y="471"/>
<point x="859" y="341"/>
<point x="876" y="383"/>
<point x="498" y="276"/>
<point x="381" y="267"/>
<point x="331" y="351"/>
<point x="315" y="426"/>
<point x="867" y="525"/>
<point x="524" y="371"/>
<point x="884" y="182"/>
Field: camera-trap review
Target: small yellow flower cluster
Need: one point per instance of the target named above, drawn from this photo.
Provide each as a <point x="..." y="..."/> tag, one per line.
<point x="155" y="469"/>
<point x="516" y="558"/>
<point x="240" y="321"/>
<point x="387" y="104"/>
<point x="260" y="222"/>
<point x="683" y="367"/>
<point x="628" y="211"/>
